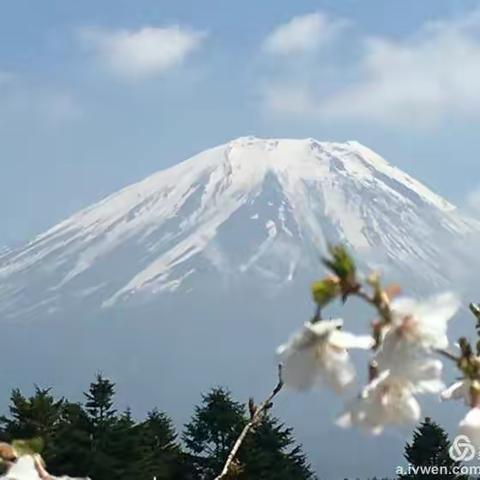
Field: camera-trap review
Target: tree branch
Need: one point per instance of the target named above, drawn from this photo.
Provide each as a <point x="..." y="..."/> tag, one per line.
<point x="255" y="418"/>
<point x="447" y="354"/>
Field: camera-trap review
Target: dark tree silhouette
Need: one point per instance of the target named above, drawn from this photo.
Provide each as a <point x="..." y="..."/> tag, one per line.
<point x="429" y="448"/>
<point x="269" y="453"/>
<point x="92" y="439"/>
<point x="36" y="416"/>
<point x="213" y="429"/>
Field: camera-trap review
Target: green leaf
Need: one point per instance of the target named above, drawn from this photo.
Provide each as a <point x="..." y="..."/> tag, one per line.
<point x="340" y="263"/>
<point x="28" y="447"/>
<point x="324" y="291"/>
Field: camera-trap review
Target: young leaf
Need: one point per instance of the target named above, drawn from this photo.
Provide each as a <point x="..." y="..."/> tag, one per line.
<point x="28" y="447"/>
<point x="340" y="263"/>
<point x="324" y="291"/>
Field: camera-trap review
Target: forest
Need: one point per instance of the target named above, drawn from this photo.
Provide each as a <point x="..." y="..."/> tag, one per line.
<point x="93" y="439"/>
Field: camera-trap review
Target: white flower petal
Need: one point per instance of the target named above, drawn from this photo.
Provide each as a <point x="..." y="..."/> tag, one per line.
<point x="429" y="318"/>
<point x="425" y="375"/>
<point x="345" y="420"/>
<point x="338" y="370"/>
<point x="300" y="370"/>
<point x="395" y="350"/>
<point x="470" y="426"/>
<point x="456" y="391"/>
<point x="411" y="366"/>
<point x="343" y="339"/>
<point x="409" y="410"/>
<point x="431" y="386"/>
<point x="383" y="402"/>
<point x="325" y="326"/>
<point x="439" y="308"/>
<point x="24" y="469"/>
<point x="317" y="353"/>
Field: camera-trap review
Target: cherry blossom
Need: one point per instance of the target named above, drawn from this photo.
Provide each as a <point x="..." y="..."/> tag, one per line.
<point x="470" y="426"/>
<point x="319" y="353"/>
<point x="385" y="401"/>
<point x="422" y="324"/>
<point x="31" y="467"/>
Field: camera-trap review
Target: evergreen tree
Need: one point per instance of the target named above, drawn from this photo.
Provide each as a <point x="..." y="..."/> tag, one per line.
<point x="164" y="457"/>
<point x="99" y="401"/>
<point x="73" y="443"/>
<point x="124" y="445"/>
<point x="268" y="453"/>
<point x="92" y="440"/>
<point x="210" y="434"/>
<point x="102" y="419"/>
<point x="430" y="447"/>
<point x="36" y="416"/>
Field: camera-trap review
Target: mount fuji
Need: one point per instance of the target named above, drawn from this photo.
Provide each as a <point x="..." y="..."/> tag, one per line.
<point x="192" y="277"/>
<point x="248" y="211"/>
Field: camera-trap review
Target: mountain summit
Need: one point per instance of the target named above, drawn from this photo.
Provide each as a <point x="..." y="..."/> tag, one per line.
<point x="251" y="209"/>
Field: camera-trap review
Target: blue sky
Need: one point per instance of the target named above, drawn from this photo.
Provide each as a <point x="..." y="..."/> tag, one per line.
<point x="95" y="95"/>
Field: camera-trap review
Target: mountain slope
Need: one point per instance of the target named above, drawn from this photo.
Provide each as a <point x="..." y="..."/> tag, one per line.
<point x="253" y="209"/>
<point x="171" y="286"/>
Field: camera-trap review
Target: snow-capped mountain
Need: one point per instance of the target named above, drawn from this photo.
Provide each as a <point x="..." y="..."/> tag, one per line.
<point x="192" y="277"/>
<point x="249" y="209"/>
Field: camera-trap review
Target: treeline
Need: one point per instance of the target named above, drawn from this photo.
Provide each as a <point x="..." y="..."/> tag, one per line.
<point x="91" y="438"/>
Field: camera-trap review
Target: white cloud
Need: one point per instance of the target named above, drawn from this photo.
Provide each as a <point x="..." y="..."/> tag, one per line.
<point x="473" y="200"/>
<point x="419" y="81"/>
<point x="150" y="51"/>
<point x="301" y="34"/>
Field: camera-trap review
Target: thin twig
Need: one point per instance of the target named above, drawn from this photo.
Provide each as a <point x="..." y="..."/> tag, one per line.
<point x="366" y="297"/>
<point x="40" y="468"/>
<point x="447" y="354"/>
<point x="259" y="411"/>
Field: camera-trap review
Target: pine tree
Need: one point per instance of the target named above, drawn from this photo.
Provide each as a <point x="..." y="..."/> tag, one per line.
<point x="99" y="402"/>
<point x="269" y="452"/>
<point x="124" y="445"/>
<point x="35" y="417"/>
<point x="91" y="439"/>
<point x="163" y="455"/>
<point x="73" y="443"/>
<point x="430" y="447"/>
<point x="210" y="434"/>
<point x="102" y="419"/>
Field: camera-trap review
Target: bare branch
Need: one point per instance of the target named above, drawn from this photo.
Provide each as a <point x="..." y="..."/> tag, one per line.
<point x="40" y="468"/>
<point x="447" y="354"/>
<point x="255" y="418"/>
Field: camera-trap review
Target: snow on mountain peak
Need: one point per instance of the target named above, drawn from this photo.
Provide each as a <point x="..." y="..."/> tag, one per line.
<point x="250" y="207"/>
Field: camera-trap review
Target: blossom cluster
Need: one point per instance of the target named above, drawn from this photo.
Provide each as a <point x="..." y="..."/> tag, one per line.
<point x="22" y="463"/>
<point x="407" y="343"/>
